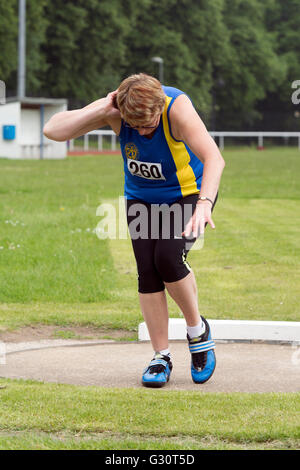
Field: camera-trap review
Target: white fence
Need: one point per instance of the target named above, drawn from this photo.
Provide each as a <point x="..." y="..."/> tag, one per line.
<point x="220" y="134"/>
<point x="100" y="134"/>
<point x="259" y="135"/>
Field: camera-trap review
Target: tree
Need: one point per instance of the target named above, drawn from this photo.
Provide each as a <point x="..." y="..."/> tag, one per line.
<point x="234" y="58"/>
<point x="254" y="67"/>
<point x="8" y="39"/>
<point x="85" y="47"/>
<point x="283" y="21"/>
<point x="36" y="26"/>
<point x="35" y="36"/>
<point x="66" y="21"/>
<point x="191" y="38"/>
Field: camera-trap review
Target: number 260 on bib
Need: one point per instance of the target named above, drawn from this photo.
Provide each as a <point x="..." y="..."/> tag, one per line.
<point x="148" y="170"/>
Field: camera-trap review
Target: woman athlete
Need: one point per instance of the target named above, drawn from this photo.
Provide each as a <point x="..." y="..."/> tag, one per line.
<point x="172" y="174"/>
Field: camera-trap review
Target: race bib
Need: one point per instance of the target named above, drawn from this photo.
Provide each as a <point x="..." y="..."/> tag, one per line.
<point x="148" y="170"/>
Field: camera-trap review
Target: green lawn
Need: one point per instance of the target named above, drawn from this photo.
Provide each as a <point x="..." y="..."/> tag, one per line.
<point x="55" y="271"/>
<point x="36" y="415"/>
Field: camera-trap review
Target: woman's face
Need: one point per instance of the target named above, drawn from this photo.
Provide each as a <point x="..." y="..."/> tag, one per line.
<point x="149" y="128"/>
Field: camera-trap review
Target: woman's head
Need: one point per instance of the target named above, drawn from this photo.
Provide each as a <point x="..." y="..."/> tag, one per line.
<point x="140" y="99"/>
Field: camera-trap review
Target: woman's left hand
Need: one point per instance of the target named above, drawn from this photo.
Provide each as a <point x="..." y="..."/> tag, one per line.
<point x="201" y="215"/>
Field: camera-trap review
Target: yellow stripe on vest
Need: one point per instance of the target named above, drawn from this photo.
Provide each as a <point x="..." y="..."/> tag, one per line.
<point x="185" y="173"/>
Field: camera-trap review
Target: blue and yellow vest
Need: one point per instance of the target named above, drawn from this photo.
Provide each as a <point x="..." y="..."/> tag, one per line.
<point x="161" y="169"/>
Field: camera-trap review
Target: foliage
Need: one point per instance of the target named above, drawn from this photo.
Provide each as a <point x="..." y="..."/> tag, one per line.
<point x="8" y="38"/>
<point x="235" y="58"/>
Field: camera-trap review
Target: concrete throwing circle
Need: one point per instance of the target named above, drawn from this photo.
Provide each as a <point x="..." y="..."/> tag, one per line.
<point x="241" y="367"/>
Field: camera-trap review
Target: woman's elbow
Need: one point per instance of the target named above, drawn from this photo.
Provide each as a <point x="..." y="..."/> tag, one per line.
<point x="47" y="132"/>
<point x="50" y="134"/>
<point x="223" y="161"/>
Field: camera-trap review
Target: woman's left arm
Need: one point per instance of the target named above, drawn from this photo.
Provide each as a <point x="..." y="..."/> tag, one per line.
<point x="187" y="126"/>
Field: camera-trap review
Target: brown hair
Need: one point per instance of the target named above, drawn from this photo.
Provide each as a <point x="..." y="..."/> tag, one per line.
<point x="140" y="98"/>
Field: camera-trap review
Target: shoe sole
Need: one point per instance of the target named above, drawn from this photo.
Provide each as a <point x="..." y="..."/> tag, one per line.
<point x="155" y="384"/>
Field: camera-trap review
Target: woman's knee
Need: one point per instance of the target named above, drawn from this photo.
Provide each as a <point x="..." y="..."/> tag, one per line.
<point x="149" y="281"/>
<point x="171" y="264"/>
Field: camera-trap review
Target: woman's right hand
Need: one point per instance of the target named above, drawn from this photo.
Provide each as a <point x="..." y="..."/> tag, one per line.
<point x="111" y="110"/>
<point x="106" y="106"/>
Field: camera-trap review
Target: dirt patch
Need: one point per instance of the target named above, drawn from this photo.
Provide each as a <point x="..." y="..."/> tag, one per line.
<point x="39" y="332"/>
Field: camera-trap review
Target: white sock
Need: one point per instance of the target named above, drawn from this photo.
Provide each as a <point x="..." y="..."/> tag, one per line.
<point x="163" y="352"/>
<point x="194" y="331"/>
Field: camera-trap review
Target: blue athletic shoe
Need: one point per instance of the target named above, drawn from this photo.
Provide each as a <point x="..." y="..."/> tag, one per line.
<point x="158" y="372"/>
<point x="203" y="361"/>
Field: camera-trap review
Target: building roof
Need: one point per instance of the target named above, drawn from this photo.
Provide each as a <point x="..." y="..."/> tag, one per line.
<point x="36" y="101"/>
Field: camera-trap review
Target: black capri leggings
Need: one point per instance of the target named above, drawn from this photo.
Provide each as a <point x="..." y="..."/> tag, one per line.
<point x="160" y="250"/>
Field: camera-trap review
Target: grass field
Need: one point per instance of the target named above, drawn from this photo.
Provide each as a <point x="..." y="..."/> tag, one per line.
<point x="35" y="415"/>
<point x="55" y="271"/>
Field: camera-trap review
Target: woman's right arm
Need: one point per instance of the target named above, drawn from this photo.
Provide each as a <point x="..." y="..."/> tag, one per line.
<point x="68" y="125"/>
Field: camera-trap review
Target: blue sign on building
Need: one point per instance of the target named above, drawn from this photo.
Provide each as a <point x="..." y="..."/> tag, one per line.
<point x="9" y="132"/>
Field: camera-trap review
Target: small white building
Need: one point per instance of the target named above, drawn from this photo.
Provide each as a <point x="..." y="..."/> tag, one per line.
<point x="21" y="128"/>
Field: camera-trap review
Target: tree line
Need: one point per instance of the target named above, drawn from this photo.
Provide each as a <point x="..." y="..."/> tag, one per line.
<point x="236" y="59"/>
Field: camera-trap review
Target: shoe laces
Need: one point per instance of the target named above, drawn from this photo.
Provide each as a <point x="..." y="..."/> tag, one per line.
<point x="199" y="359"/>
<point x="158" y="368"/>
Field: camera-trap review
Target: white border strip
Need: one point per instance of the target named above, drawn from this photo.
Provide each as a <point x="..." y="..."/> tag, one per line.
<point x="11" y="348"/>
<point x="234" y="330"/>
